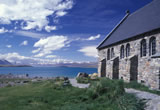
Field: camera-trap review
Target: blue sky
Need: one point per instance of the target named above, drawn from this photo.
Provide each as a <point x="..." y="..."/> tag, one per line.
<point x="41" y="32"/>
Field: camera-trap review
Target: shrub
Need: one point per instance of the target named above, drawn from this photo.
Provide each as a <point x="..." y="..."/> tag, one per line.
<point x="136" y="85"/>
<point x="84" y="80"/>
<point x="9" y="85"/>
<point x="109" y="88"/>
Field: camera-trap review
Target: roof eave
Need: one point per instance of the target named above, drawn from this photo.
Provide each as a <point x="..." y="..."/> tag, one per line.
<point x="123" y="19"/>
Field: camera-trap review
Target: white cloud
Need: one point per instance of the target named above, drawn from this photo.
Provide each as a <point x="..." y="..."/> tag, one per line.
<point x="9" y="46"/>
<point x="61" y="13"/>
<point x="24" y="43"/>
<point x="87" y="39"/>
<point x="2" y="30"/>
<point x="50" y="28"/>
<point x="16" y="58"/>
<point x="37" y="50"/>
<point x="90" y="51"/>
<point x="48" y="45"/>
<point x="34" y="13"/>
<point x="30" y="34"/>
<point x="51" y="56"/>
<point x="94" y="37"/>
<point x="19" y="59"/>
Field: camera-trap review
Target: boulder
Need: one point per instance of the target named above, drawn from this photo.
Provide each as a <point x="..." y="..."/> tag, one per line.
<point x="62" y="78"/>
<point x="25" y="81"/>
<point x="81" y="74"/>
<point x="94" y="76"/>
<point x="66" y="78"/>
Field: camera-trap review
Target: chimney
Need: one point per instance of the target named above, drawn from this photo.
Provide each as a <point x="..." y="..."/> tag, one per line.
<point x="127" y="12"/>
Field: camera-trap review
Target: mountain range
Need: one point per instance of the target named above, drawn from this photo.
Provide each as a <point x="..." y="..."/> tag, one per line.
<point x="5" y="63"/>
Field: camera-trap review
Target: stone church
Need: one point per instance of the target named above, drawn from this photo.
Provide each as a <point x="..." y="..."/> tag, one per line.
<point x="131" y="51"/>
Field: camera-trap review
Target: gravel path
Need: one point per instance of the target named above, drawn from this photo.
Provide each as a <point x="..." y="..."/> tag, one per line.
<point x="153" y="102"/>
<point x="75" y="84"/>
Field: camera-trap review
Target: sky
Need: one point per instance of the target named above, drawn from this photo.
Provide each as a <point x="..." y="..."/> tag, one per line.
<point x="42" y="32"/>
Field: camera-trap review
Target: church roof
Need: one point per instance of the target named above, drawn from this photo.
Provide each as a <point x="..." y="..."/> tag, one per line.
<point x="143" y="20"/>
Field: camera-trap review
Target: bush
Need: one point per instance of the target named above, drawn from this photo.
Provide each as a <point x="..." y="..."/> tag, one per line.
<point x="130" y="102"/>
<point x="109" y="88"/>
<point x="136" y="85"/>
<point x="84" y="80"/>
<point x="60" y="84"/>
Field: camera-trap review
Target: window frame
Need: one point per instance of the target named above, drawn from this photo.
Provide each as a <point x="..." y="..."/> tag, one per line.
<point x="152" y="46"/>
<point x="112" y="53"/>
<point x="128" y="50"/>
<point x="108" y="54"/>
<point x="122" y="52"/>
<point x="143" y="50"/>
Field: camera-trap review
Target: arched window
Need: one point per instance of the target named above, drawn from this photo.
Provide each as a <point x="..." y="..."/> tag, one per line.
<point x="127" y="50"/>
<point x="108" y="54"/>
<point x="143" y="48"/>
<point x="112" y="52"/>
<point x="122" y="52"/>
<point x="152" y="46"/>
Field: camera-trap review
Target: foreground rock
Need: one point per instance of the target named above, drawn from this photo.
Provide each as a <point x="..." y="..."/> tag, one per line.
<point x="81" y="74"/>
<point x="153" y="100"/>
<point x="93" y="76"/>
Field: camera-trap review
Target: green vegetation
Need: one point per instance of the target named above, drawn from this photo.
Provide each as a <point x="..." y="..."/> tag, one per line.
<point x="53" y="95"/>
<point x="86" y="80"/>
<point x="141" y="87"/>
<point x="83" y="80"/>
<point x="5" y="80"/>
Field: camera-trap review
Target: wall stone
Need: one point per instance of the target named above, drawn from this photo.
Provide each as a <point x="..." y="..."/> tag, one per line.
<point x="148" y="68"/>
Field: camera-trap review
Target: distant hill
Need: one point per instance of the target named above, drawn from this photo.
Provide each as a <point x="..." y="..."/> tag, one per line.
<point x="83" y="65"/>
<point x="15" y="66"/>
<point x="5" y="62"/>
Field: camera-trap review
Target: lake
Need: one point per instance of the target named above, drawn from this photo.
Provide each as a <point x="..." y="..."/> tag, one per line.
<point x="47" y="71"/>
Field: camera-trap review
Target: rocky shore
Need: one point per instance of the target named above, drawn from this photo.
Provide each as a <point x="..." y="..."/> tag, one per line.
<point x="13" y="80"/>
<point x="8" y="80"/>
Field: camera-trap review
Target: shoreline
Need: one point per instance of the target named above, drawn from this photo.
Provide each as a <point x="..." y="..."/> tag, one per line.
<point x="8" y="80"/>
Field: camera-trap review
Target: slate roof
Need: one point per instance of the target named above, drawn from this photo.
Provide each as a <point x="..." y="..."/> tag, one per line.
<point x="143" y="20"/>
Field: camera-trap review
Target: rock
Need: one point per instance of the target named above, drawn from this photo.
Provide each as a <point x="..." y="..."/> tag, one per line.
<point x="35" y="77"/>
<point x="34" y="80"/>
<point x="25" y="81"/>
<point x="66" y="78"/>
<point x="81" y="74"/>
<point x="94" y="76"/>
<point x="66" y="81"/>
<point x="18" y="81"/>
<point x="27" y="75"/>
<point x="61" y="78"/>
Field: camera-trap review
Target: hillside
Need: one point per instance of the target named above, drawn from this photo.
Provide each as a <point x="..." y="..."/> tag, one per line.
<point x="5" y="62"/>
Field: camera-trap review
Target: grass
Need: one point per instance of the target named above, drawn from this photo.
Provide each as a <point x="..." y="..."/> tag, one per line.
<point x="52" y="95"/>
<point x="141" y="87"/>
<point x="83" y="80"/>
<point x="86" y="80"/>
<point x="5" y="80"/>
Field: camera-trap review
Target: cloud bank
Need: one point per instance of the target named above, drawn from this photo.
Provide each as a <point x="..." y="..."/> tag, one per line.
<point x="33" y="14"/>
<point x="89" y="51"/>
<point x="16" y="58"/>
<point x="46" y="46"/>
<point x="94" y="37"/>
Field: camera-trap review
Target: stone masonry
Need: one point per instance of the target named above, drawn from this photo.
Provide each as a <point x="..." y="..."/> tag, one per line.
<point x="148" y="67"/>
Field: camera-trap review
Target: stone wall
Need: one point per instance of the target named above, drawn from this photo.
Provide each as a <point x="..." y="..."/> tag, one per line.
<point x="148" y="67"/>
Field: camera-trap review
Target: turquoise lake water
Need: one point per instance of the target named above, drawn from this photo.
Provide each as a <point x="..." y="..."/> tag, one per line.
<point x="47" y="71"/>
